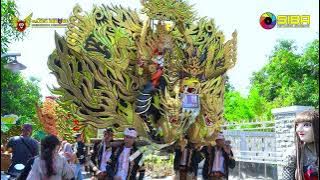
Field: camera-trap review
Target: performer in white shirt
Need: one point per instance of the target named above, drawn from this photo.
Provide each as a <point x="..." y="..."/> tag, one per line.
<point x="186" y="160"/>
<point x="101" y="154"/>
<point x="120" y="167"/>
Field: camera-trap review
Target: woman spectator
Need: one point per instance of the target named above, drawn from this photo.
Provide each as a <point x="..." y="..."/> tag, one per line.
<point x="62" y="146"/>
<point x="73" y="161"/>
<point x="50" y="165"/>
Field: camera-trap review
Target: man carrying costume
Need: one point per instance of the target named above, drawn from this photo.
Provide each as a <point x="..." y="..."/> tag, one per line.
<point x="102" y="153"/>
<point x="303" y="162"/>
<point x="218" y="160"/>
<point x="119" y="167"/>
<point x="186" y="161"/>
<point x="80" y="150"/>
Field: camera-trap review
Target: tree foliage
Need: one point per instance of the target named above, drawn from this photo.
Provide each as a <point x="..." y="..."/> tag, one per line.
<point x="288" y="79"/>
<point x="8" y="32"/>
<point x="252" y="107"/>
<point x="18" y="95"/>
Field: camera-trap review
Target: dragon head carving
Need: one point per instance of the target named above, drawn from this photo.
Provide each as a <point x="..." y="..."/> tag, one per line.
<point x="115" y="69"/>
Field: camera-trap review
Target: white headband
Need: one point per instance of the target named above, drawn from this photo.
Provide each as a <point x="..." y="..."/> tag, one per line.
<point x="132" y="133"/>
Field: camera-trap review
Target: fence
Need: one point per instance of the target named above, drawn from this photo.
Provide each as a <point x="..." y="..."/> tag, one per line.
<point x="249" y="145"/>
<point x="254" y="150"/>
<point x="259" y="146"/>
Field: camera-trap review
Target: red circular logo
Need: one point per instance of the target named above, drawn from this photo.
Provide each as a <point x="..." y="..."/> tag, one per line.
<point x="21" y="25"/>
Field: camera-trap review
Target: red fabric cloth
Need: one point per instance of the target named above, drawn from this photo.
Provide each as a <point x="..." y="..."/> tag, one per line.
<point x="156" y="77"/>
<point x="308" y="177"/>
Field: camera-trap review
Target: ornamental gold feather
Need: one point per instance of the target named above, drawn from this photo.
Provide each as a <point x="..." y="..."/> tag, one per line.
<point x="163" y="75"/>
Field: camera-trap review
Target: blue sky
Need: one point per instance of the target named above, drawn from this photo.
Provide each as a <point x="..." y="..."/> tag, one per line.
<point x="254" y="42"/>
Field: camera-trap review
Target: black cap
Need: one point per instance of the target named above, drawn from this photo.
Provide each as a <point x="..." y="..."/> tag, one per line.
<point x="77" y="135"/>
<point x="27" y="127"/>
<point x="108" y="130"/>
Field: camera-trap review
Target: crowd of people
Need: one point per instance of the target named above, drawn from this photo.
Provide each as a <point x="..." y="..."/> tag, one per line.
<point x="62" y="160"/>
<point x="57" y="160"/>
<point x="217" y="160"/>
<point x="108" y="159"/>
<point x="117" y="160"/>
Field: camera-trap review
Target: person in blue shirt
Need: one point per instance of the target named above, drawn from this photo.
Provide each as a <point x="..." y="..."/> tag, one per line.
<point x="23" y="147"/>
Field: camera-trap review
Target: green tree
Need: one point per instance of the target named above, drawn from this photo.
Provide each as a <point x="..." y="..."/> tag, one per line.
<point x="8" y="32"/>
<point x="244" y="109"/>
<point x="236" y="108"/>
<point x="290" y="78"/>
<point x="260" y="107"/>
<point x="18" y="95"/>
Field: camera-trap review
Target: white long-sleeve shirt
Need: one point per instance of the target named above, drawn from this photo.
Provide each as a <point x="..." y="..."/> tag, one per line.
<point x="106" y="154"/>
<point x="218" y="161"/>
<point x="123" y="165"/>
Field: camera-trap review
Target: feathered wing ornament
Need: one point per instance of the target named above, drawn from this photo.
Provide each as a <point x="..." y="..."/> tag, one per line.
<point x="95" y="68"/>
<point x="28" y="20"/>
<point x="21" y="25"/>
<point x="14" y="21"/>
<point x="166" y="80"/>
